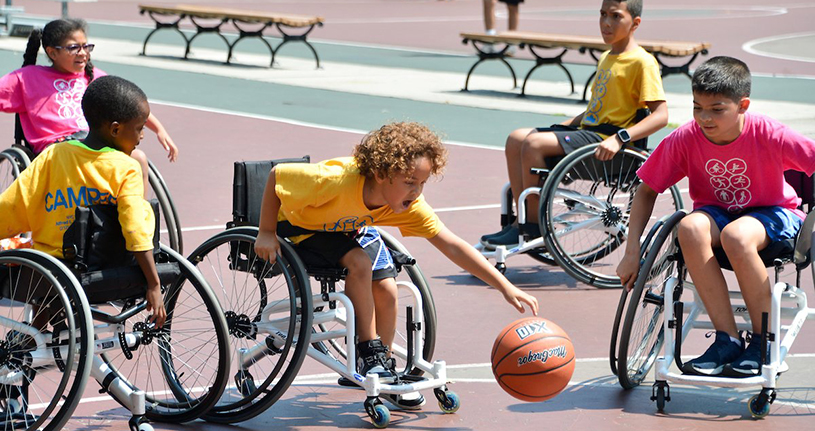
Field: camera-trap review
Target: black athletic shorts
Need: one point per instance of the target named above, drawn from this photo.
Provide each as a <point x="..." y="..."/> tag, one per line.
<point x="325" y="249"/>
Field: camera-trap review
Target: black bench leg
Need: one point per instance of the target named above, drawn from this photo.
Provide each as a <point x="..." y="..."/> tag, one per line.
<point x="297" y="37"/>
<point x="160" y="25"/>
<point x="249" y="33"/>
<point x="683" y="69"/>
<point x="202" y="29"/>
<point x="484" y="56"/>
<point x="586" y="87"/>
<point x="540" y="61"/>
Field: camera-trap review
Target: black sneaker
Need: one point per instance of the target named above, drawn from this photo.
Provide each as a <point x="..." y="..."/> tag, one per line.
<point x="372" y="359"/>
<point x="722" y="352"/>
<point x="508" y="239"/>
<point x="410" y="401"/>
<point x="748" y="364"/>
<point x="486" y="238"/>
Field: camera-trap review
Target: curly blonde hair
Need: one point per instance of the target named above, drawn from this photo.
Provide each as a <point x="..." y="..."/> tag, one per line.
<point x="394" y="147"/>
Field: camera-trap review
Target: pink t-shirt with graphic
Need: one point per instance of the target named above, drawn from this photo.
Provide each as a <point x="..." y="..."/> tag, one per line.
<point x="49" y="102"/>
<point x="746" y="173"/>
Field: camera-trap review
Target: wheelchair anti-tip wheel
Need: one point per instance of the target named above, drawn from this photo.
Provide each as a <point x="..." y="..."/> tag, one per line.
<point x="46" y="341"/>
<point x="584" y="211"/>
<point x="642" y="332"/>
<point x="268" y="310"/>
<point x="183" y="366"/>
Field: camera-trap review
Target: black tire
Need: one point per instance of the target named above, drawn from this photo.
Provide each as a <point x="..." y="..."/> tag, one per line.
<point x="246" y="286"/>
<point x="185" y="368"/>
<point x="50" y="401"/>
<point x="642" y="332"/>
<point x="584" y="210"/>
<point x="171" y="226"/>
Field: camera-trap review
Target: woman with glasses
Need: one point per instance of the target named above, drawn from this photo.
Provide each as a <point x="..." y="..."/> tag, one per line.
<point x="48" y="98"/>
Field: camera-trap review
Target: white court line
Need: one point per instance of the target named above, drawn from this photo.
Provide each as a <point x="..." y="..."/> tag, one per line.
<point x="750" y="47"/>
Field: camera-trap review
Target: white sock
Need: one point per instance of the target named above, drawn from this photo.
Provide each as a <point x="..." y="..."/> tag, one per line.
<point x="492" y="32"/>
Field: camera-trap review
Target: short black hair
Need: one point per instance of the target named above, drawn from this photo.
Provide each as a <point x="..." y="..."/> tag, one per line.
<point x="634" y="7"/>
<point x="109" y="99"/>
<point x="726" y="76"/>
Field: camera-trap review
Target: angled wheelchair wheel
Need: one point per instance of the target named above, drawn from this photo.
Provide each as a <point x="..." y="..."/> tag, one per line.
<point x="642" y="332"/>
<point x="11" y="164"/>
<point x="268" y="309"/>
<point x="170" y="230"/>
<point x="584" y="211"/>
<point x="46" y="341"/>
<point x="183" y="366"/>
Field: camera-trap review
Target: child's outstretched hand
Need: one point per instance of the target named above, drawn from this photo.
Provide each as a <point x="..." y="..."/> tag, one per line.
<point x="267" y="246"/>
<point x="517" y="298"/>
<point x="155" y="305"/>
<point x="167" y="142"/>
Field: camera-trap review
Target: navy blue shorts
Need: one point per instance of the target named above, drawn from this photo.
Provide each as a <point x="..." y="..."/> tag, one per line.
<point x="780" y="223"/>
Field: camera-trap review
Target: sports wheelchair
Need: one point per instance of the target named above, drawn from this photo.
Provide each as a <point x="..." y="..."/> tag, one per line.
<point x="275" y="320"/>
<point x="583" y="213"/>
<point x="15" y="159"/>
<point x="64" y="321"/>
<point x="655" y="316"/>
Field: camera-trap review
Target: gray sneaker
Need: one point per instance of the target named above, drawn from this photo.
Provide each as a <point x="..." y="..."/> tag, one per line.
<point x="373" y="359"/>
<point x="409" y="401"/>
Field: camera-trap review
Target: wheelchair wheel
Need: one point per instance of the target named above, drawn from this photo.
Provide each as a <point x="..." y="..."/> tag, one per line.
<point x="584" y="210"/>
<point x="642" y="332"/>
<point x="171" y="226"/>
<point x="262" y="303"/>
<point x="183" y="366"/>
<point x="10" y="167"/>
<point x="41" y="389"/>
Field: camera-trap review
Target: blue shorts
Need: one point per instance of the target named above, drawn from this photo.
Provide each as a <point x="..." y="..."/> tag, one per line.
<point x="780" y="223"/>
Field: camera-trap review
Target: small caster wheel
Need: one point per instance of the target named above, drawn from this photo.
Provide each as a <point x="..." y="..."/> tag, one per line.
<point x="139" y="423"/>
<point x="378" y="412"/>
<point x="759" y="406"/>
<point x="449" y="401"/>
<point x="245" y="383"/>
<point x="660" y="399"/>
<point x="14" y="406"/>
<point x="501" y="267"/>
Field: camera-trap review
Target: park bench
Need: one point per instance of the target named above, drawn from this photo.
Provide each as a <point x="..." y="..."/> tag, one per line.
<point x="564" y="43"/>
<point x="203" y="16"/>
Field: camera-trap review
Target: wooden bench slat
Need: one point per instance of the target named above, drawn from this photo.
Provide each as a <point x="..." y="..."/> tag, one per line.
<point x="671" y="48"/>
<point x="240" y="15"/>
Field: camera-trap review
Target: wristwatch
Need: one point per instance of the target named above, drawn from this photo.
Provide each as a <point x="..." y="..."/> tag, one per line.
<point x="623" y="135"/>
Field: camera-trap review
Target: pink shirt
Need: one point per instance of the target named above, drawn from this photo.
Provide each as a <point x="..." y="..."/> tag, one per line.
<point x="748" y="172"/>
<point x="49" y="102"/>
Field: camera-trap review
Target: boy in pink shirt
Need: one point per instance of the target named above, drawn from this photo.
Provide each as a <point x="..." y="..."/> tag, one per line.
<point x="735" y="163"/>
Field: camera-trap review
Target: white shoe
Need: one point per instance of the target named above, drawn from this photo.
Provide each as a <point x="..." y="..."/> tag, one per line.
<point x="409" y="401"/>
<point x="511" y="50"/>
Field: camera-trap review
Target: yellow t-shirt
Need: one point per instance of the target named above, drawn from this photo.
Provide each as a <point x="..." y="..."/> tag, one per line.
<point x="327" y="196"/>
<point x="43" y="199"/>
<point x="624" y="82"/>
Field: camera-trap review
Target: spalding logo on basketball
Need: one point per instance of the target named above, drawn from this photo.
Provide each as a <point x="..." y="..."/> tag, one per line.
<point x="533" y="359"/>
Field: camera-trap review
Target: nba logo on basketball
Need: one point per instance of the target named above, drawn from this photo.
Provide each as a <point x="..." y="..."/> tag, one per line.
<point x="532" y="328"/>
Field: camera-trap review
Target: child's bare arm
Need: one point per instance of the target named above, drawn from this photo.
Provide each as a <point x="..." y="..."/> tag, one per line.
<point x="266" y="244"/>
<point x="641" y="210"/>
<point x="466" y="257"/>
<point x="648" y="126"/>
<point x="163" y="137"/>
<point x="155" y="303"/>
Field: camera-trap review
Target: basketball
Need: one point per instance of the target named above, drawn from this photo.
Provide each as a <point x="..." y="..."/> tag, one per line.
<point x="533" y="359"/>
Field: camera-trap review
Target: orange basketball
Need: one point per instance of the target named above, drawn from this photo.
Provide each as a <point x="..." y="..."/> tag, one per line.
<point x="533" y="359"/>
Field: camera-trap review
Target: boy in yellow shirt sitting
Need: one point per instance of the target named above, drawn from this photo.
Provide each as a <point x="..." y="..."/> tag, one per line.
<point x="99" y="170"/>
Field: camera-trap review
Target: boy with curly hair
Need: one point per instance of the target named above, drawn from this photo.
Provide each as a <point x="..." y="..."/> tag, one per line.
<point x="380" y="185"/>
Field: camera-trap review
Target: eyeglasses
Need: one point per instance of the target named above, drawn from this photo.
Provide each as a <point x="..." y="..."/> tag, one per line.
<point x="75" y="48"/>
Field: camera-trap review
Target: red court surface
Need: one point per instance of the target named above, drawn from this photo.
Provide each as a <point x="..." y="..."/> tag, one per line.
<point x="470" y="314"/>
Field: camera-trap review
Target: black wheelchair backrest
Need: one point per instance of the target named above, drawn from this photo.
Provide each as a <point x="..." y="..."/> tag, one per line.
<point x="248" y="185"/>
<point x="94" y="241"/>
<point x="804" y="186"/>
